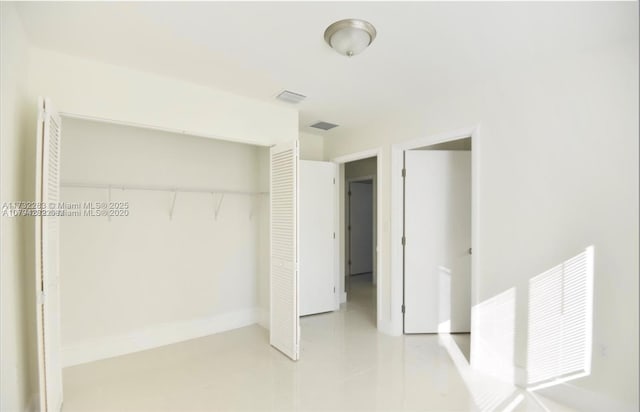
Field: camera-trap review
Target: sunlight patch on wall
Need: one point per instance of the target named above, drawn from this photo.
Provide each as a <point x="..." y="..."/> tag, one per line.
<point x="560" y="322"/>
<point x="493" y="333"/>
<point x="489" y="394"/>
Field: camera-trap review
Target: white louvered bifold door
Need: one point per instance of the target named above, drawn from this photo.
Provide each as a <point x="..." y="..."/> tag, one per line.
<point x="284" y="311"/>
<point x="47" y="258"/>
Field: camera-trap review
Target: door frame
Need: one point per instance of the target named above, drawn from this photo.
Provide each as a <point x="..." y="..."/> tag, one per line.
<point x="340" y="187"/>
<point x="397" y="218"/>
<point x="347" y="251"/>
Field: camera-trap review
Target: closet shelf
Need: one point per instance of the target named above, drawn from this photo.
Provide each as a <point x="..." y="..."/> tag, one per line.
<point x="159" y="188"/>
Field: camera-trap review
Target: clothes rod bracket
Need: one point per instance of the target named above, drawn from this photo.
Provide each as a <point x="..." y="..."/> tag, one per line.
<point x="173" y="204"/>
<point x="217" y="206"/>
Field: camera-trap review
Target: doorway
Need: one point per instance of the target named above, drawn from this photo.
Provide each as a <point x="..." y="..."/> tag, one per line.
<point x="437" y="240"/>
<point x="360" y="227"/>
<point x="361" y="233"/>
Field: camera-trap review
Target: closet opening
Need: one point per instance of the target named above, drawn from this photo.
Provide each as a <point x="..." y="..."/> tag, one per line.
<point x="171" y="242"/>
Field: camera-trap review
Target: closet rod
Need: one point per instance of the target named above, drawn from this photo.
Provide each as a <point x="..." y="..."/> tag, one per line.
<point x="158" y="188"/>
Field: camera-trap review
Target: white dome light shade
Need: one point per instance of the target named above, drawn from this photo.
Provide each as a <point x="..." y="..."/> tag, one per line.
<point x="350" y="41"/>
<point x="350" y="37"/>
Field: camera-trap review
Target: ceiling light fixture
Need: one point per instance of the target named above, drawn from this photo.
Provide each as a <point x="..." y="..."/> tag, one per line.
<point x="350" y="37"/>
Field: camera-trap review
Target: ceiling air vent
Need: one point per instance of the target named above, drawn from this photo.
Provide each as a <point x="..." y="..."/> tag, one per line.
<point x="324" y="125"/>
<point x="290" y="97"/>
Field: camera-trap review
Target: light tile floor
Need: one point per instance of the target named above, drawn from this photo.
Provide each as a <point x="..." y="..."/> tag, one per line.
<point x="345" y="365"/>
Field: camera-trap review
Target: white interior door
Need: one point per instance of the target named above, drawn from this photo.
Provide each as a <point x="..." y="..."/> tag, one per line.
<point x="317" y="237"/>
<point x="361" y="227"/>
<point x="284" y="331"/>
<point x="47" y="259"/>
<point x="437" y="277"/>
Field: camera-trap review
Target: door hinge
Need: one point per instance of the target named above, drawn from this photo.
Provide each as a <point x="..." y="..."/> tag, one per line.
<point x="334" y="180"/>
<point x="334" y="289"/>
<point x="349" y="192"/>
<point x="404" y="172"/>
<point x="349" y="227"/>
<point x="349" y="262"/>
<point x="404" y="241"/>
<point x="402" y="308"/>
<point x="334" y="235"/>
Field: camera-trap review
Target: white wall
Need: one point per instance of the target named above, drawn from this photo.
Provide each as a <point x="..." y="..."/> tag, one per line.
<point x="311" y="146"/>
<point x="145" y="280"/>
<point x="18" y="376"/>
<point x="104" y="91"/>
<point x="558" y="172"/>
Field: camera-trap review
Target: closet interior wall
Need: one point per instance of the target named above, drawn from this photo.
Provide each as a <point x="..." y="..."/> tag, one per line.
<point x="182" y="264"/>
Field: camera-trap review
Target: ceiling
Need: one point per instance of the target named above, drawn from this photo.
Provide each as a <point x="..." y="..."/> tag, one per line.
<point x="259" y="49"/>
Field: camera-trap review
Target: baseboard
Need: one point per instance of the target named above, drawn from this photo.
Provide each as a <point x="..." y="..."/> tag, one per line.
<point x="96" y="349"/>
<point x="343" y="297"/>
<point x="583" y="399"/>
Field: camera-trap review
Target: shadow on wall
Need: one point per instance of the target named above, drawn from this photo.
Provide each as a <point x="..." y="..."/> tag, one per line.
<point x="559" y="343"/>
